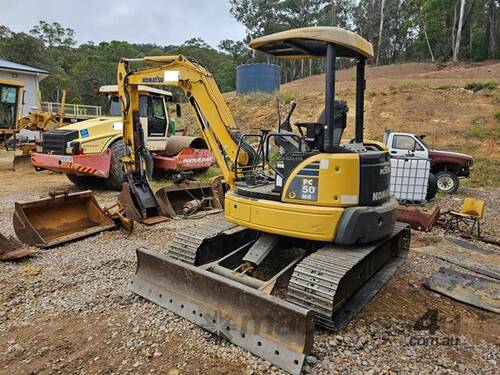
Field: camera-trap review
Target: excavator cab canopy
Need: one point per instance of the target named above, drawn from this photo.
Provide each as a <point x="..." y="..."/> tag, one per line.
<point x="311" y="42"/>
<point x="330" y="43"/>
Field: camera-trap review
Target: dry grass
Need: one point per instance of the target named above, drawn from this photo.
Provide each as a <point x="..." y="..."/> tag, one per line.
<point x="452" y="118"/>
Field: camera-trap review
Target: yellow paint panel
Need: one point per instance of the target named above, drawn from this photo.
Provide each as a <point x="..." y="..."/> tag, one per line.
<point x="308" y="222"/>
<point x="338" y="184"/>
<point x="238" y="210"/>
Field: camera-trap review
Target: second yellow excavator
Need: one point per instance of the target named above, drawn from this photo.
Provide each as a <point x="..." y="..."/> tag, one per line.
<point x="310" y="239"/>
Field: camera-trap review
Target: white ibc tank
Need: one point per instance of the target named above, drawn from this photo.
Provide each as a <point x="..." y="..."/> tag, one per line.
<point x="409" y="178"/>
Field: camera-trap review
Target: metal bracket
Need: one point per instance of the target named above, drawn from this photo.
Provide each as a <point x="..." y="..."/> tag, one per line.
<point x="261" y="248"/>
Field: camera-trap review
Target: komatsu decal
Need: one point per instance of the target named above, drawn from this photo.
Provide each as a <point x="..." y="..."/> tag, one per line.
<point x="157" y="79"/>
<point x="378" y="195"/>
<point x="385" y="170"/>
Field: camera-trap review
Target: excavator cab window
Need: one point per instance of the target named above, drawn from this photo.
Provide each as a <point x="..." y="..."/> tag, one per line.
<point x="8" y="105"/>
<point x="114" y="106"/>
<point x="157" y="118"/>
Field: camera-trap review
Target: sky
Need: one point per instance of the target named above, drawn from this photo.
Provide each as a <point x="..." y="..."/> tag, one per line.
<point x="162" y="22"/>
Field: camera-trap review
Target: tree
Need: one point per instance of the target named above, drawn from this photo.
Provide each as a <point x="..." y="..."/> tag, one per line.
<point x="238" y="50"/>
<point x="381" y="30"/>
<point x="54" y="35"/>
<point x="260" y="17"/>
<point x="23" y="49"/>
<point x="456" y="48"/>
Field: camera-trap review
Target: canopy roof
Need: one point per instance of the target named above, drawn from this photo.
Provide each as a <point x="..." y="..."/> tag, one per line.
<point x="310" y="42"/>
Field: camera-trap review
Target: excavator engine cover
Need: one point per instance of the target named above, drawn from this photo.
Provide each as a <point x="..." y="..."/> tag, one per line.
<point x="59" y="218"/>
<point x="188" y="200"/>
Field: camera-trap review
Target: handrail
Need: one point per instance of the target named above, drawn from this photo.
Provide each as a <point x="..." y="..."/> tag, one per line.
<point x="73" y="110"/>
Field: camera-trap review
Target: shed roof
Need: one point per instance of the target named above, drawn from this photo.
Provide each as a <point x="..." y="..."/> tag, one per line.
<point x="9" y="65"/>
<point x="310" y="42"/>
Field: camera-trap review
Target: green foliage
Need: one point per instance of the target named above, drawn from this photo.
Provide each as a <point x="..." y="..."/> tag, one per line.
<point x="82" y="69"/>
<point x="479" y="130"/>
<point x="478" y="86"/>
<point x="407" y="84"/>
<point x="486" y="173"/>
<point x="264" y="98"/>
<point x="497" y="115"/>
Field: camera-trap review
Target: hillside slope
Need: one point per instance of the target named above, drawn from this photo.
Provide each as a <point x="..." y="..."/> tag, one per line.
<point x="421" y="98"/>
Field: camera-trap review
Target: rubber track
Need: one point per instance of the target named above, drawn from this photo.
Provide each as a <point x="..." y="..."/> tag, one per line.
<point x="315" y="279"/>
<point x="185" y="245"/>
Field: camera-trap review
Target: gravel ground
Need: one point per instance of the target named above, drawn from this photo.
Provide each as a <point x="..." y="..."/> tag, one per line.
<point x="67" y="310"/>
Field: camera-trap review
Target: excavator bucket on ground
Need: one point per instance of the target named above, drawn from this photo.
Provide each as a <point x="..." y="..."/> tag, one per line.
<point x="140" y="204"/>
<point x="11" y="249"/>
<point x="22" y="162"/>
<point x="59" y="218"/>
<point x="14" y="161"/>
<point x="419" y="219"/>
<point x="188" y="200"/>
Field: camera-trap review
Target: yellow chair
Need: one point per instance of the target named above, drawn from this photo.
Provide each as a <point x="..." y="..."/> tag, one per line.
<point x="470" y="214"/>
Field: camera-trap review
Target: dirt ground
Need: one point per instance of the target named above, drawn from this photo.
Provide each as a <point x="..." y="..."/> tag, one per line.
<point x="67" y="310"/>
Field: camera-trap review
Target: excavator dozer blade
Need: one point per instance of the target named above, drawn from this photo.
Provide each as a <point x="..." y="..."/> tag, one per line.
<point x="60" y="218"/>
<point x="11" y="248"/>
<point x="269" y="327"/>
<point x="188" y="200"/>
<point x="22" y="162"/>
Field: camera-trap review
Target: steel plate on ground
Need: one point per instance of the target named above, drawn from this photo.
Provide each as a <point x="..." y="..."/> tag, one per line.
<point x="269" y="327"/>
<point x="471" y="289"/>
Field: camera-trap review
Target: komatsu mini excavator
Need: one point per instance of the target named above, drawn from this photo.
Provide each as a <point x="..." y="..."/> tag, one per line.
<point x="309" y="240"/>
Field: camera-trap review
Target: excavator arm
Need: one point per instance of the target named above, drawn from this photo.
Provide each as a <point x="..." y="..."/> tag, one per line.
<point x="213" y="116"/>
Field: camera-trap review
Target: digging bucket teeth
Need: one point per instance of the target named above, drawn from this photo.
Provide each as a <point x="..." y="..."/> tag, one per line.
<point x="174" y="199"/>
<point x="59" y="218"/>
<point x="268" y="327"/>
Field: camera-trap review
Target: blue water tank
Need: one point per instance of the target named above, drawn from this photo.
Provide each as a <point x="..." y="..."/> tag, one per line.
<point x="257" y="78"/>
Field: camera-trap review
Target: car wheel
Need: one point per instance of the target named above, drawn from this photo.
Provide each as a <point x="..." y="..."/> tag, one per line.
<point x="447" y="182"/>
<point x="86" y="182"/>
<point x="431" y="187"/>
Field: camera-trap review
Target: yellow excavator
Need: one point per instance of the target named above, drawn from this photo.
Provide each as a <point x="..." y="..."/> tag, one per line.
<point x="307" y="240"/>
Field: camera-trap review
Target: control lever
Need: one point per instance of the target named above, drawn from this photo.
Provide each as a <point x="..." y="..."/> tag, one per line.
<point x="285" y="125"/>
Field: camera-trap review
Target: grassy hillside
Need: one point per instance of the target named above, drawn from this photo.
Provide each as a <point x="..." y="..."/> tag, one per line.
<point x="456" y="106"/>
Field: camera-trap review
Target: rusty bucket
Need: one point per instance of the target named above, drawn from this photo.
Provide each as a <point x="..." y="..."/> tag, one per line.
<point x="192" y="200"/>
<point x="59" y="218"/>
<point x="11" y="248"/>
<point x="419" y="219"/>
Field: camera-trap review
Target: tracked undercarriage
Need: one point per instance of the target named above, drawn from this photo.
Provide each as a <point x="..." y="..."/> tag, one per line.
<point x="269" y="309"/>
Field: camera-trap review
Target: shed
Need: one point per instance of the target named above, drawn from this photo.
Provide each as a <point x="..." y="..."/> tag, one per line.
<point x="31" y="78"/>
